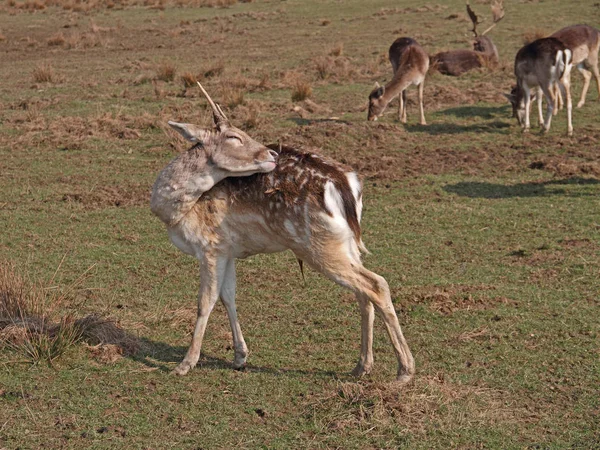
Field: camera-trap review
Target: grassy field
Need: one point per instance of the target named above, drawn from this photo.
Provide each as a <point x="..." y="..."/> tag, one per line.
<point x="488" y="237"/>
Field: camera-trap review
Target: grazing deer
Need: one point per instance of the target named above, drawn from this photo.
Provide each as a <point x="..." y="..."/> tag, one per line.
<point x="484" y="53"/>
<point x="306" y="203"/>
<point x="584" y="43"/>
<point x="541" y="63"/>
<point x="409" y="64"/>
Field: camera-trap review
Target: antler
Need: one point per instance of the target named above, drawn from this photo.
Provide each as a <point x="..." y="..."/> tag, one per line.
<point x="474" y="19"/>
<point x="219" y="116"/>
<point x="497" y="14"/>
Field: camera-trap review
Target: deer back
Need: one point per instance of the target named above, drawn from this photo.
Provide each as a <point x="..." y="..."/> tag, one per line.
<point x="306" y="198"/>
<point x="582" y="40"/>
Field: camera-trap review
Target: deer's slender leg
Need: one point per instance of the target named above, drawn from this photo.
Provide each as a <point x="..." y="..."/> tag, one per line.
<point x="228" y="299"/>
<point x="540" y="97"/>
<point x="211" y="277"/>
<point x="566" y="82"/>
<point x="527" y="101"/>
<point x="334" y="262"/>
<point x="421" y="111"/>
<point x="367" y="314"/>
<point x="593" y="65"/>
<point x="587" y="77"/>
<point x="549" y="94"/>
<point x="558" y="98"/>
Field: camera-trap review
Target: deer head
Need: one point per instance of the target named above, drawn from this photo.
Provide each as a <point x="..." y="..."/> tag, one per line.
<point x="517" y="101"/>
<point x="376" y="102"/>
<point x="225" y="151"/>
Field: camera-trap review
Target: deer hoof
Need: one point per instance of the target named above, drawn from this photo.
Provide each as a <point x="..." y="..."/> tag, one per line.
<point x="182" y="369"/>
<point x="361" y="370"/>
<point x="403" y="379"/>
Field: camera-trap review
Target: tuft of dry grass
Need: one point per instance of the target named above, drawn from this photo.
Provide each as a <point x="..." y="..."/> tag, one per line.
<point x="215" y="69"/>
<point x="301" y="90"/>
<point x="31" y="321"/>
<point x="232" y="95"/>
<point x="44" y="73"/>
<point x="337" y="50"/>
<point x="166" y="72"/>
<point x="57" y="40"/>
<point x="188" y="79"/>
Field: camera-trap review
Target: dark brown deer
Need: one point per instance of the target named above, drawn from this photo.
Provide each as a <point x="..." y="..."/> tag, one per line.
<point x="409" y="64"/>
<point x="484" y="53"/>
<point x="307" y="204"/>
<point x="542" y="64"/>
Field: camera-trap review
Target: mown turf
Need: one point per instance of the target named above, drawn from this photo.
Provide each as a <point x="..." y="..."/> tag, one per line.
<point x="489" y="238"/>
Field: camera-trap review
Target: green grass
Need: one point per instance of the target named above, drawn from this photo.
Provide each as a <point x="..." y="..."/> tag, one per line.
<point x="489" y="238"/>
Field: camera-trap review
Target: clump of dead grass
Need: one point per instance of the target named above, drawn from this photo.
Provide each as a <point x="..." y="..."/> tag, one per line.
<point x="56" y="40"/>
<point x="34" y="324"/>
<point x="44" y="73"/>
<point x="166" y="72"/>
<point x="363" y="406"/>
<point x="301" y="90"/>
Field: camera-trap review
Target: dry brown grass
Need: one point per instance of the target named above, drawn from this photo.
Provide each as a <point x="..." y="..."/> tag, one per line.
<point x="166" y="72"/>
<point x="301" y="90"/>
<point x="369" y="406"/>
<point x="44" y="73"/>
<point x="337" y="50"/>
<point x="57" y="40"/>
<point x="33" y="321"/>
<point x="232" y="96"/>
<point x="214" y="69"/>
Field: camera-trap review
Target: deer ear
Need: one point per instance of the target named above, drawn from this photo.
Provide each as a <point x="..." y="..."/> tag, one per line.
<point x="510" y="97"/>
<point x="191" y="132"/>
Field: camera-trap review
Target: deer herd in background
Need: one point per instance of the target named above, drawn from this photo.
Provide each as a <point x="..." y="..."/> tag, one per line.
<point x="544" y="64"/>
<point x="230" y="197"/>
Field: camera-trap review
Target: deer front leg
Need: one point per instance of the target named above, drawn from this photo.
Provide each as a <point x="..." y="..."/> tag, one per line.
<point x="567" y="86"/>
<point x="207" y="297"/>
<point x="367" y="313"/>
<point x="228" y="299"/>
<point x="527" y="101"/>
<point x="421" y="87"/>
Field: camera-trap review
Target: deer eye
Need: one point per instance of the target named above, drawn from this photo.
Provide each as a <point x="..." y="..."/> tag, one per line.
<point x="233" y="136"/>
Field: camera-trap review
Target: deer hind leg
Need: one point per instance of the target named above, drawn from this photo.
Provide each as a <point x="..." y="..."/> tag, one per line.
<point x="373" y="293"/>
<point x="540" y="98"/>
<point x="557" y="96"/>
<point x="402" y="107"/>
<point x="587" y="77"/>
<point x="548" y="91"/>
<point x="210" y="284"/>
<point x="566" y="84"/>
<point x="228" y="299"/>
<point x="421" y="87"/>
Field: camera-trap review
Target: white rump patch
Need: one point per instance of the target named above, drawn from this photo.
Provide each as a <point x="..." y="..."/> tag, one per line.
<point x="356" y="187"/>
<point x="333" y="201"/>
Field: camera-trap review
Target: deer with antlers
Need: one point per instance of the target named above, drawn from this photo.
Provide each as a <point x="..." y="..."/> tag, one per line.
<point x="484" y="53"/>
<point x="542" y="64"/>
<point x="230" y="197"/>
<point x="410" y="64"/>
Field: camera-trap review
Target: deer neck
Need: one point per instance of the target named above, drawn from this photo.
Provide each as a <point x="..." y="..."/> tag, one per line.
<point x="399" y="83"/>
<point x="180" y="184"/>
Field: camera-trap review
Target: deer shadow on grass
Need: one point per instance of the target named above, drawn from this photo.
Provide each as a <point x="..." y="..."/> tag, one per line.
<point x="165" y="357"/>
<point x="478" y="189"/>
<point x="490" y="124"/>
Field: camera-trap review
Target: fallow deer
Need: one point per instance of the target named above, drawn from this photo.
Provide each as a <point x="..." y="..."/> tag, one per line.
<point x="307" y="204"/>
<point x="542" y="63"/>
<point x="584" y="43"/>
<point x="410" y="64"/>
<point x="484" y="53"/>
